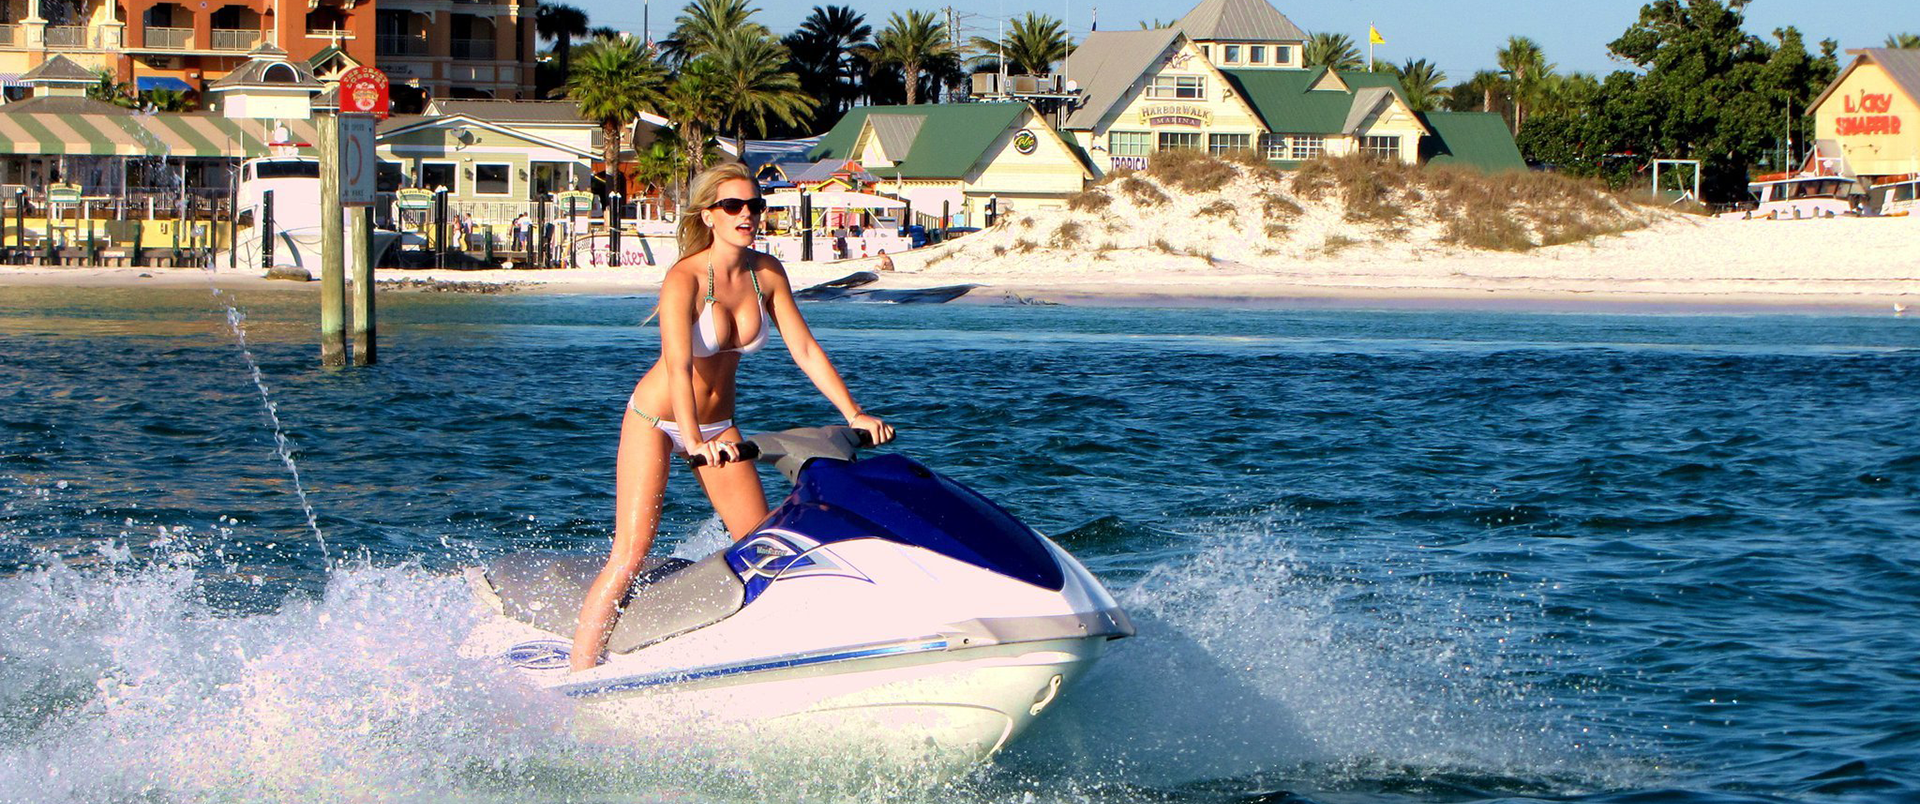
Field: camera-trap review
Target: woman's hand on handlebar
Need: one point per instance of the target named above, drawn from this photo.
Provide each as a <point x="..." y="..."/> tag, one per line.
<point x="878" y="432"/>
<point x="714" y="453"/>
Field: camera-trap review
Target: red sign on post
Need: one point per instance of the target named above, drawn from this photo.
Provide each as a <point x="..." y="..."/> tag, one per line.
<point x="364" y="89"/>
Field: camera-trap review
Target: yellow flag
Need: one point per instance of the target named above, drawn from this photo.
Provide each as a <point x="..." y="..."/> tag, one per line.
<point x="1374" y="37"/>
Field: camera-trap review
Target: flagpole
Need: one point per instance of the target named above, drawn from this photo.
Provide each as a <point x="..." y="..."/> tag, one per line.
<point x="1370" y="30"/>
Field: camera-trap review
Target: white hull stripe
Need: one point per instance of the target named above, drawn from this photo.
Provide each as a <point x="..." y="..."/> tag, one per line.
<point x="599" y="688"/>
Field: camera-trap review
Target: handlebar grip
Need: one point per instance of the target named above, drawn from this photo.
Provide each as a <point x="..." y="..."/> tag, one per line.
<point x="749" y="451"/>
<point x="863" y="437"/>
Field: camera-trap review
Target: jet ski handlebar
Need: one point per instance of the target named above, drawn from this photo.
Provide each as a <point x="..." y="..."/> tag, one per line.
<point x="791" y="449"/>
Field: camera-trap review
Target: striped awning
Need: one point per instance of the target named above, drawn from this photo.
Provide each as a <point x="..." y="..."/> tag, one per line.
<point x="145" y="135"/>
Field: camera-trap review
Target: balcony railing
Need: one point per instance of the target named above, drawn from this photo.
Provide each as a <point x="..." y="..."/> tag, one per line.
<point x="161" y="38"/>
<point x="235" y="39"/>
<point x="10" y="35"/>
<point x="400" y="45"/>
<point x="329" y="33"/>
<point x="473" y="48"/>
<point x="66" y="36"/>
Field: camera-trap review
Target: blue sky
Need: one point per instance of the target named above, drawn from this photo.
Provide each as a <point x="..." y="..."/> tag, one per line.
<point x="1460" y="37"/>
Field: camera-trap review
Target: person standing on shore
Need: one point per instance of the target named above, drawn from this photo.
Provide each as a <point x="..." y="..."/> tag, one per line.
<point x="717" y="304"/>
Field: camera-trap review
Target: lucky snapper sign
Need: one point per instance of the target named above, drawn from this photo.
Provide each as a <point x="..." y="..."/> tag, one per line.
<point x="364" y="89"/>
<point x="1870" y="115"/>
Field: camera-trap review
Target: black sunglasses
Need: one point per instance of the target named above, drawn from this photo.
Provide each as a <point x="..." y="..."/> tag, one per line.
<point x="732" y="206"/>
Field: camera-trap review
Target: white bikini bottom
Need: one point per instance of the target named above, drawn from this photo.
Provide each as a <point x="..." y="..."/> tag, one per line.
<point x="707" y="431"/>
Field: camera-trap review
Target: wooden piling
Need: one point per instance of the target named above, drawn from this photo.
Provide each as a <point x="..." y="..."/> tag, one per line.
<point x="360" y="251"/>
<point x="333" y="267"/>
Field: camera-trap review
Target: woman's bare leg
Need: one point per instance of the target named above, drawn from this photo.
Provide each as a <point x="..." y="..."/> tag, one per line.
<point x="735" y="491"/>
<point x="640" y="485"/>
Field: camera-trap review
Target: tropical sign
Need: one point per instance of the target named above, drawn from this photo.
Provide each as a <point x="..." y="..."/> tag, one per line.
<point x="579" y="200"/>
<point x="63" y="194"/>
<point x="364" y="89"/>
<point x="412" y="198"/>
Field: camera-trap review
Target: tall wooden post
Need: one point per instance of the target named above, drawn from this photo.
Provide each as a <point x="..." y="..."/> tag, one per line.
<point x="360" y="254"/>
<point x="333" y="265"/>
<point x="537" y="239"/>
<point x="614" y="202"/>
<point x="573" y="230"/>
<point x="266" y="232"/>
<point x="806" y="226"/>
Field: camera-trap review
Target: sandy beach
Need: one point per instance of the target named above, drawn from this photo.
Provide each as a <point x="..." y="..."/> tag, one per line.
<point x="1853" y="264"/>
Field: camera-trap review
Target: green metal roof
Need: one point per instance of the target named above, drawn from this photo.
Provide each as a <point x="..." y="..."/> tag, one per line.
<point x="1286" y="102"/>
<point x="952" y="137"/>
<point x="1471" y="139"/>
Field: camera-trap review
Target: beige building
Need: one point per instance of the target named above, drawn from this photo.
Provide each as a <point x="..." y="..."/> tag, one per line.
<point x="1867" y="125"/>
<point x="956" y="159"/>
<point x="1228" y="76"/>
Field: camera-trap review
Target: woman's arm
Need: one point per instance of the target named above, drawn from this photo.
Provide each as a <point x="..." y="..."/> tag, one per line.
<point x="808" y="355"/>
<point x="677" y="314"/>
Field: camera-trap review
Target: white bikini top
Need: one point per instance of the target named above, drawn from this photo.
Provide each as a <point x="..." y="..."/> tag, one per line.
<point x="707" y="344"/>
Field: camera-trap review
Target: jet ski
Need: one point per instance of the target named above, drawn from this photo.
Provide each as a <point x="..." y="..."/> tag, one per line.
<point x="881" y="607"/>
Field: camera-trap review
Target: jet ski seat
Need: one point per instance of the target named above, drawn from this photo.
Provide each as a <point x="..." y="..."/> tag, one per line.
<point x="670" y="596"/>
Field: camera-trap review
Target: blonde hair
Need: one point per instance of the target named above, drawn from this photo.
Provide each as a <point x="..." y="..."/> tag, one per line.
<point x="693" y="233"/>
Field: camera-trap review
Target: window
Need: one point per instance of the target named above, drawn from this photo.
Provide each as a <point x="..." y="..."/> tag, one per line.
<point x="1219" y="144"/>
<point x="1382" y="147"/>
<point x="492" y="179"/>
<point x="440" y="174"/>
<point x="1282" y="55"/>
<point x="302" y="169"/>
<point x="1176" y="140"/>
<point x="1177" y="87"/>
<point x="1206" y="52"/>
<point x="1306" y="146"/>
<point x="1233" y="53"/>
<point x="386" y="176"/>
<point x="1274" y="145"/>
<point x="1129" y="143"/>
<point x="1257" y="54"/>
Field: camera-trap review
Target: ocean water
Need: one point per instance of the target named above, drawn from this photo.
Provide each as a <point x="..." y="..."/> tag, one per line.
<point x="1375" y="556"/>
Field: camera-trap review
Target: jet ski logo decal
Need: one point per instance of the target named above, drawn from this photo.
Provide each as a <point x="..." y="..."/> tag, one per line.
<point x="544" y="655"/>
<point x="780" y="554"/>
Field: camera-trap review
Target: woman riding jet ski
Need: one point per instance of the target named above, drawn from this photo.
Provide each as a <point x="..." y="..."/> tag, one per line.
<point x="880" y="607"/>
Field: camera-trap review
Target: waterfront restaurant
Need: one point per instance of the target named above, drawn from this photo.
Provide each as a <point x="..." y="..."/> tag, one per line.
<point x="1230" y="76"/>
<point x="959" y="159"/>
<point x="1867" y="125"/>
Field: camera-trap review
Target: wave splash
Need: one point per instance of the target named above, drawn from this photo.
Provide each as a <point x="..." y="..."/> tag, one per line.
<point x="1254" y="670"/>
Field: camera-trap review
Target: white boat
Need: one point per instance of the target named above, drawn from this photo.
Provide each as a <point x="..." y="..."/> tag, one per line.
<point x="882" y="611"/>
<point x="294" y="181"/>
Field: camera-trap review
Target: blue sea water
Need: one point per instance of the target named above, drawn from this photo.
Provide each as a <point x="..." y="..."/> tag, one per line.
<point x="1375" y="556"/>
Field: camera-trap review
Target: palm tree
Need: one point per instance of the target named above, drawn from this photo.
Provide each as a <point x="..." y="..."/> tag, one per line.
<point x="702" y="25"/>
<point x="660" y="164"/>
<point x="1526" y="66"/>
<point x="1032" y="44"/>
<point x="751" y="69"/>
<point x="1484" y="85"/>
<point x="559" y="23"/>
<point x="821" y="55"/>
<point x="1332" y="51"/>
<point x="1903" y="41"/>
<point x="1154" y="24"/>
<point x="1422" y="80"/>
<point x="910" y="41"/>
<point x="696" y="102"/>
<point x="613" y="82"/>
<point x="161" y="99"/>
<point x="112" y="90"/>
